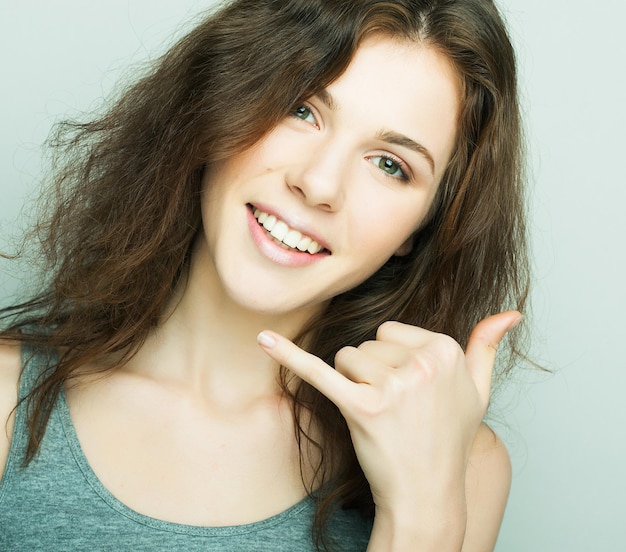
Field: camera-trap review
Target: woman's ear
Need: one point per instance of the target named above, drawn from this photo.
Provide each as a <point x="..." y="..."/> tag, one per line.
<point x="405" y="248"/>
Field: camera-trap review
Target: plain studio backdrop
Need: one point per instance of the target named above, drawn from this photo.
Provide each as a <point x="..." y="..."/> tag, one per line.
<point x="565" y="431"/>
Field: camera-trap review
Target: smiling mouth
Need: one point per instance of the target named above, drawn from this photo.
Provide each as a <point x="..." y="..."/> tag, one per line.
<point x="286" y="236"/>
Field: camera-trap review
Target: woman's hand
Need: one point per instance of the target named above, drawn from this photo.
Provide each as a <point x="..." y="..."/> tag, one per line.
<point x="413" y="401"/>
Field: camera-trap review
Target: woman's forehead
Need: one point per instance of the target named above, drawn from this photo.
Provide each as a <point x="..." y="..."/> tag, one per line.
<point x="402" y="90"/>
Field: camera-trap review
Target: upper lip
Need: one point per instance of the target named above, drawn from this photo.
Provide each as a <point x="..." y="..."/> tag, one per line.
<point x="293" y="222"/>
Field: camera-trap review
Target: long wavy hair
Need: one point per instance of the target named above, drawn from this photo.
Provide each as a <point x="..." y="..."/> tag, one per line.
<point x="123" y="209"/>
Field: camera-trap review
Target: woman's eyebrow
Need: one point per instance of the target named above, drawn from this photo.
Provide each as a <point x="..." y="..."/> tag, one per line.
<point x="389" y="136"/>
<point x="398" y="139"/>
<point x="327" y="99"/>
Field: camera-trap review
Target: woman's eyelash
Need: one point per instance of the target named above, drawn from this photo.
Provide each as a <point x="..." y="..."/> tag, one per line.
<point x="390" y="166"/>
<point x="304" y="113"/>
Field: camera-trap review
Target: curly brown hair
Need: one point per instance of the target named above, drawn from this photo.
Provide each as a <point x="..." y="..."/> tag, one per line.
<point x="124" y="209"/>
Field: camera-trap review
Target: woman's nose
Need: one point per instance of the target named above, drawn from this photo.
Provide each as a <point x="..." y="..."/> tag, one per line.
<point x="319" y="176"/>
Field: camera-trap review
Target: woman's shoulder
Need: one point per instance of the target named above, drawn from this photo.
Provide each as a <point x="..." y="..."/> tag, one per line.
<point x="10" y="369"/>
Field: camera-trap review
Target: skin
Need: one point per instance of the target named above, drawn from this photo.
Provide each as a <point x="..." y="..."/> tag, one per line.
<point x="404" y="396"/>
<point x="413" y="400"/>
<point x="319" y="172"/>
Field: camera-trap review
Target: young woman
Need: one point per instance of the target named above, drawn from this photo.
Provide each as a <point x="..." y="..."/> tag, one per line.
<point x="276" y="275"/>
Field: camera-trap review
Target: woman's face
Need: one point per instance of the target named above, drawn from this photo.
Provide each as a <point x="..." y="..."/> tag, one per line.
<point x="339" y="186"/>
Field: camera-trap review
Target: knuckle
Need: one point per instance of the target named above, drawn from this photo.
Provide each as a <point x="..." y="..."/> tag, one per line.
<point x="395" y="385"/>
<point x="387" y="328"/>
<point x="423" y="363"/>
<point x="446" y="342"/>
<point x="380" y="400"/>
<point x="287" y="357"/>
<point x="344" y="355"/>
<point x="443" y="355"/>
<point x="373" y="408"/>
<point x="448" y="349"/>
<point x="367" y="346"/>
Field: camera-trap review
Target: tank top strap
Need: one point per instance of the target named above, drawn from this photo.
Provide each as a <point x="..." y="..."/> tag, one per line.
<point x="36" y="362"/>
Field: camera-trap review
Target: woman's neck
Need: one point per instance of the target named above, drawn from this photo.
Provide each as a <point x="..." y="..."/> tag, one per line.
<point x="208" y="342"/>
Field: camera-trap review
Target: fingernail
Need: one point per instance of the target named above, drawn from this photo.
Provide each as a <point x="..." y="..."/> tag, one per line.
<point x="265" y="340"/>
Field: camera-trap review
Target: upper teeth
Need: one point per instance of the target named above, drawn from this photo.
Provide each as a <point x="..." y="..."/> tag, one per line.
<point x="281" y="232"/>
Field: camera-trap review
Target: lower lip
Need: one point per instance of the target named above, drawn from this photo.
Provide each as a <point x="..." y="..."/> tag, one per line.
<point x="276" y="253"/>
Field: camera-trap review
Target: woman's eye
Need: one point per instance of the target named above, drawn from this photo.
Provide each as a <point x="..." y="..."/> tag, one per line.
<point x="389" y="166"/>
<point x="304" y="113"/>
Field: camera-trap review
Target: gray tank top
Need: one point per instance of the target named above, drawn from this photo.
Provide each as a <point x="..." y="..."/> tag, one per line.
<point x="57" y="503"/>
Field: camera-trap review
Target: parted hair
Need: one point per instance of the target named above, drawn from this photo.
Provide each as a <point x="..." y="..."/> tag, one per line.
<point x="123" y="205"/>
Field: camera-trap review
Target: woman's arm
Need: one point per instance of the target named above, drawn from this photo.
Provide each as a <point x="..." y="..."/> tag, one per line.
<point x="10" y="367"/>
<point x="487" y="484"/>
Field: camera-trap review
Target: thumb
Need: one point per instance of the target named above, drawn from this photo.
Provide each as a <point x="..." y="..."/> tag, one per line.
<point x="480" y="353"/>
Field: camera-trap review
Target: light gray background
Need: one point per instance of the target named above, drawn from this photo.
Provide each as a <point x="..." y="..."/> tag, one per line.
<point x="565" y="432"/>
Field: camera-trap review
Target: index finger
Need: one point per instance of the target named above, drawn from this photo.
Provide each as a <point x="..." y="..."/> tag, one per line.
<point x="306" y="366"/>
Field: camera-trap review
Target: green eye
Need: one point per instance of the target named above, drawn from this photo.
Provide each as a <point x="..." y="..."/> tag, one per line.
<point x="304" y="113"/>
<point x="389" y="166"/>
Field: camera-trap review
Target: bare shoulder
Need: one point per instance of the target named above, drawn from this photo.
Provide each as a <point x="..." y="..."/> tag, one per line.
<point x="10" y="368"/>
<point x="488" y="480"/>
